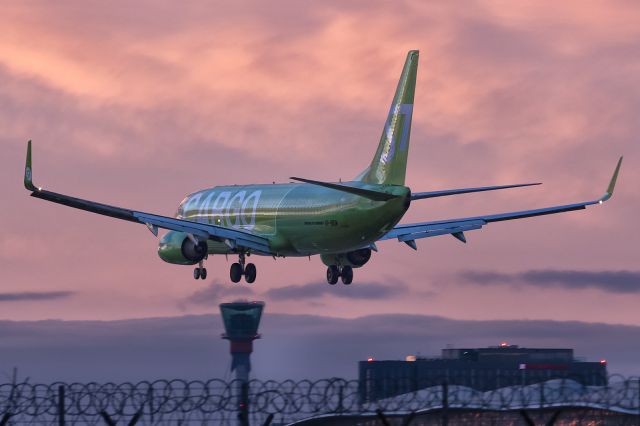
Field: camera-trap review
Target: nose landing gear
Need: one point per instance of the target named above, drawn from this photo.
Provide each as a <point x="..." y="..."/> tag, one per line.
<point x="344" y="272"/>
<point x="200" y="272"/>
<point x="239" y="269"/>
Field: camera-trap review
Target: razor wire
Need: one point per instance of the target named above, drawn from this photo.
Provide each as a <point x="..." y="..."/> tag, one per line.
<point x="218" y="402"/>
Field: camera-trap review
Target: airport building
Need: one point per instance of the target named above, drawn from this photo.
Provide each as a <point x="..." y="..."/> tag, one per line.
<point x="482" y="369"/>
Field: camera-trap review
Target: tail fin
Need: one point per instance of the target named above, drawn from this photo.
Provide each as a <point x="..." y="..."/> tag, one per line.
<point x="390" y="162"/>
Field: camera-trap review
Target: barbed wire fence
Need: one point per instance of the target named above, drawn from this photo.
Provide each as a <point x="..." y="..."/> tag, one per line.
<point x="182" y="402"/>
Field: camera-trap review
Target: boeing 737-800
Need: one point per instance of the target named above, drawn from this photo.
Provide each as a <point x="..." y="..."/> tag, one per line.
<point x="340" y="221"/>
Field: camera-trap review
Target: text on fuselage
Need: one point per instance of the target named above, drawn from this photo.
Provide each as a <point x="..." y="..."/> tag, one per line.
<point x="223" y="208"/>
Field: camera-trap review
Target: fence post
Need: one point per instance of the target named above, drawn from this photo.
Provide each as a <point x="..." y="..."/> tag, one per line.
<point x="445" y="404"/>
<point x="382" y="417"/>
<point x="151" y="408"/>
<point x="107" y="419"/>
<point x="526" y="418"/>
<point x="5" y="419"/>
<point x="269" y="419"/>
<point x="638" y="420"/>
<point x="61" y="407"/>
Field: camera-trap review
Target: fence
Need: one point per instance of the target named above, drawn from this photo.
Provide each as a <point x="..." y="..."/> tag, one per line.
<point x="331" y="401"/>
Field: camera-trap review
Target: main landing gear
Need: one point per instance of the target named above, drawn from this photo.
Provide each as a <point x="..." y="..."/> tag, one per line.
<point x="239" y="269"/>
<point x="200" y="272"/>
<point x="334" y="272"/>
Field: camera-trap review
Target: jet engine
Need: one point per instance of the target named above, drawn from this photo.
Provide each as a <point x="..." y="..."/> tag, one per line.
<point x="355" y="259"/>
<point x="178" y="248"/>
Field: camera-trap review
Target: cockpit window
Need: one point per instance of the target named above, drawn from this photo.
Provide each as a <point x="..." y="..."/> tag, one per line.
<point x="180" y="212"/>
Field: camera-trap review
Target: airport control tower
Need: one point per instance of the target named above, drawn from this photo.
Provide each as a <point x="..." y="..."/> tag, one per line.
<point x="241" y="321"/>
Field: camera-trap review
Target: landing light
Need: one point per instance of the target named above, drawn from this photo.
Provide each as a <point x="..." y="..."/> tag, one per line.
<point x="370" y="359"/>
<point x="504" y="344"/>
<point x="603" y="361"/>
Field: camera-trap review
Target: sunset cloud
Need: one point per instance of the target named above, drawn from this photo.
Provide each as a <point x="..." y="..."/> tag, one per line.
<point x="364" y="291"/>
<point x="30" y="296"/>
<point x="627" y="282"/>
<point x="137" y="105"/>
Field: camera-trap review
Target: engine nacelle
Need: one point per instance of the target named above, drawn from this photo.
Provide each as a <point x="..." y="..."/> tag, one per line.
<point x="178" y="248"/>
<point x="355" y="259"/>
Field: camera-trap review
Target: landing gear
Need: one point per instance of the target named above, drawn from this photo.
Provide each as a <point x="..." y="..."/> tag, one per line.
<point x="239" y="269"/>
<point x="250" y="273"/>
<point x="334" y="272"/>
<point x="200" y="272"/>
<point x="347" y="275"/>
<point x="235" y="272"/>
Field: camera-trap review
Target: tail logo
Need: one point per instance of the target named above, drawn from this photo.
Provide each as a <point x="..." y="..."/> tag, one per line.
<point x="391" y="131"/>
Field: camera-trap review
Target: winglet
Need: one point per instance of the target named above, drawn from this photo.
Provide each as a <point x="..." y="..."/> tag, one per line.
<point x="612" y="183"/>
<point x="28" y="174"/>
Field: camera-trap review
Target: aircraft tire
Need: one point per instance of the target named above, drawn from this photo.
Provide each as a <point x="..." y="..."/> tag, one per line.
<point x="235" y="273"/>
<point x="332" y="274"/>
<point x="196" y="273"/>
<point x="203" y="274"/>
<point x="347" y="275"/>
<point x="250" y="273"/>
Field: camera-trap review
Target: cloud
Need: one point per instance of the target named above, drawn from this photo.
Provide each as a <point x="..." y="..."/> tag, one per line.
<point x="216" y="292"/>
<point x="27" y="296"/>
<point x="607" y="281"/>
<point x="137" y="110"/>
<point x="359" y="290"/>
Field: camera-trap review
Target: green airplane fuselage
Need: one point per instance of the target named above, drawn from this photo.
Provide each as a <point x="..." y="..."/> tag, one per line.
<point x="298" y="219"/>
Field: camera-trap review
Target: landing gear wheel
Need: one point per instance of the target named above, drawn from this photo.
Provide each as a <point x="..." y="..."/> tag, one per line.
<point x="236" y="272"/>
<point x="332" y="274"/>
<point x="250" y="273"/>
<point x="346" y="275"/>
<point x="196" y="273"/>
<point x="203" y="274"/>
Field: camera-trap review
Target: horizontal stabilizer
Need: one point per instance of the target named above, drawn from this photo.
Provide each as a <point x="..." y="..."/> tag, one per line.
<point x="433" y="194"/>
<point x="407" y="233"/>
<point x="366" y="193"/>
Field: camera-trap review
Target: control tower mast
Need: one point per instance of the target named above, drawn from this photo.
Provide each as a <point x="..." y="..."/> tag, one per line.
<point x="241" y="321"/>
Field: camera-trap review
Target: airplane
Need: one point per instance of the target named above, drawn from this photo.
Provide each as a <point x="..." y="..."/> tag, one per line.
<point x="342" y="222"/>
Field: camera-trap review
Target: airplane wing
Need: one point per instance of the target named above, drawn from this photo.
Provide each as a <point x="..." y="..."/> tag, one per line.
<point x="408" y="233"/>
<point x="232" y="237"/>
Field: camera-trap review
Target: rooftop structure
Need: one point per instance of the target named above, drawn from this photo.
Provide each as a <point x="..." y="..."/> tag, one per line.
<point x="483" y="369"/>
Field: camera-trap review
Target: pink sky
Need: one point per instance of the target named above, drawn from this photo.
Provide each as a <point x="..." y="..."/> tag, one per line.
<point x="138" y="105"/>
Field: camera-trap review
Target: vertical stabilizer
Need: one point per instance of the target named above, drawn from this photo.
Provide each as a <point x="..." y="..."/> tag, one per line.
<point x="390" y="162"/>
